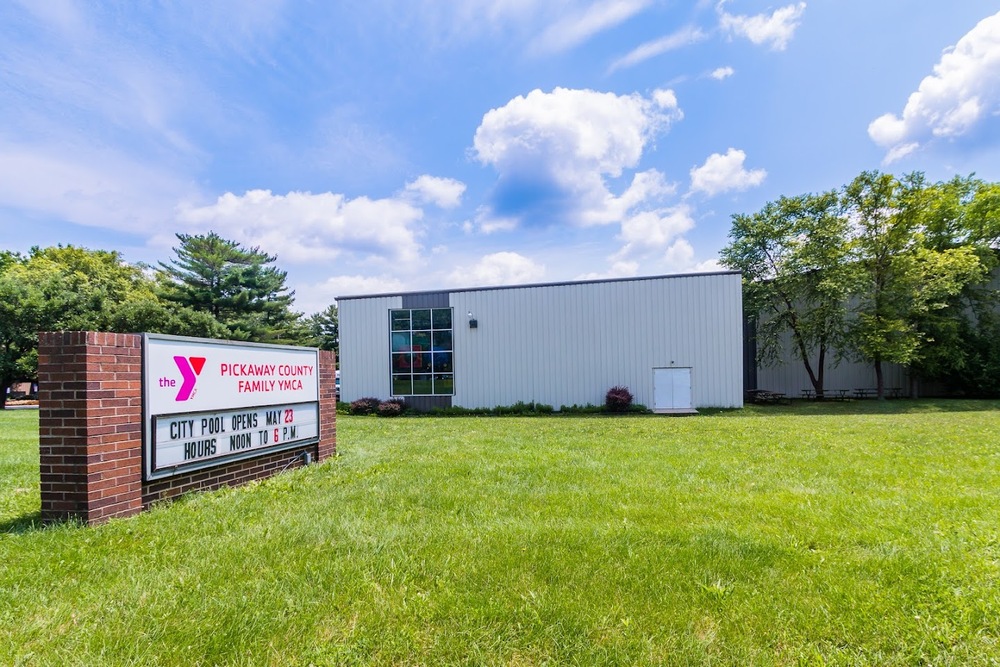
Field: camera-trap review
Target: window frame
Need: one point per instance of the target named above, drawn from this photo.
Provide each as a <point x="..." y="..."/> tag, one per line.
<point x="404" y="367"/>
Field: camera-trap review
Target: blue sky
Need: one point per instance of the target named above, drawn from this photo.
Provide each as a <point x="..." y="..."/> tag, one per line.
<point x="382" y="145"/>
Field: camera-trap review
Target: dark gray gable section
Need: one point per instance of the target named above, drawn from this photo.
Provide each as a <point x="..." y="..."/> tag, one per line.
<point x="427" y="403"/>
<point x="426" y="300"/>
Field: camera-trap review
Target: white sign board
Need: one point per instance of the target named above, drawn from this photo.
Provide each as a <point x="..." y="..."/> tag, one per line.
<point x="208" y="402"/>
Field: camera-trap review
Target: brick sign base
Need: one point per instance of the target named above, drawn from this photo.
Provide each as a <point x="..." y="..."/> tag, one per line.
<point x="90" y="431"/>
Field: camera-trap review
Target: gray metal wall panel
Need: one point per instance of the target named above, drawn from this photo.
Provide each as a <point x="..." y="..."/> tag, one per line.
<point x="567" y="344"/>
<point x="364" y="347"/>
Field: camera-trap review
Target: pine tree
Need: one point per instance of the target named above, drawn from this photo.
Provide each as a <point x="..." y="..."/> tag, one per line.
<point x="236" y="285"/>
<point x="325" y="329"/>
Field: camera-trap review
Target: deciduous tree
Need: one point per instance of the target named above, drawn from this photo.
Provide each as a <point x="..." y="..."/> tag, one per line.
<point x="67" y="288"/>
<point x="792" y="254"/>
<point x="901" y="278"/>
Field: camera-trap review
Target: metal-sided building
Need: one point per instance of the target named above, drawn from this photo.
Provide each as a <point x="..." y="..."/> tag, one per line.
<point x="675" y="341"/>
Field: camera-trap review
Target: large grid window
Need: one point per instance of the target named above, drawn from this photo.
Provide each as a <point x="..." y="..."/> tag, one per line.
<point x="421" y="352"/>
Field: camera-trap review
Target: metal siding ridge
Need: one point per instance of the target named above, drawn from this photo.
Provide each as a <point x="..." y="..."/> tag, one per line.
<point x="492" y="288"/>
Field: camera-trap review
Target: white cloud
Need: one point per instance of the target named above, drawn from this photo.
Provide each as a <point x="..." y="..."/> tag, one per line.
<point x="89" y="186"/>
<point x="684" y="37"/>
<point x="650" y="231"/>
<point x="900" y="151"/>
<point x="605" y="131"/>
<point x="501" y="268"/>
<point x="722" y="173"/>
<point x="646" y="187"/>
<point x="667" y="99"/>
<point x="442" y="192"/>
<point x="62" y="15"/>
<point x="963" y="90"/>
<point x="314" y="297"/>
<point x="346" y="145"/>
<point x="554" y="150"/>
<point x="722" y="73"/>
<point x="580" y="26"/>
<point x="487" y="222"/>
<point x="679" y="258"/>
<point x="304" y="227"/>
<point x="469" y="20"/>
<point x="617" y="270"/>
<point x="775" y="30"/>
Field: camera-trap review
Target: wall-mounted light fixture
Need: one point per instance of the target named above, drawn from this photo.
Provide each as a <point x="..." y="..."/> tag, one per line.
<point x="473" y="323"/>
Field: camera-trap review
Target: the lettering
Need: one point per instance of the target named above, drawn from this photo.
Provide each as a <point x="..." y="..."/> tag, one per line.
<point x="246" y="370"/>
<point x="264" y="370"/>
<point x="212" y="425"/>
<point x="168" y="382"/>
<point x="197" y="438"/>
<point x="289" y="370"/>
<point x="197" y="449"/>
<point x="181" y="429"/>
<point x="290" y="385"/>
<point x="244" y="420"/>
<point x="253" y="386"/>
<point x="239" y="442"/>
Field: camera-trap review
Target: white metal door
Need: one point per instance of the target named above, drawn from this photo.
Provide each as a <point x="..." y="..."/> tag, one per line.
<point x="672" y="388"/>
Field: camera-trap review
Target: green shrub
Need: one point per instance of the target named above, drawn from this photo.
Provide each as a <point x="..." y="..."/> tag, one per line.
<point x="587" y="409"/>
<point x="519" y="408"/>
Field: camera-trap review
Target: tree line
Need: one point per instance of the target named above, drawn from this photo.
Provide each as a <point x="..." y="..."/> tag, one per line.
<point x="884" y="270"/>
<point x="212" y="287"/>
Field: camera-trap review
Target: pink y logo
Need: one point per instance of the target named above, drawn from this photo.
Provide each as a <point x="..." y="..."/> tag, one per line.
<point x="190" y="368"/>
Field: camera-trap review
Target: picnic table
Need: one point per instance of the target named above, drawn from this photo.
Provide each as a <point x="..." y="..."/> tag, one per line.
<point x="766" y="396"/>
<point x="835" y="394"/>
<point x="869" y="392"/>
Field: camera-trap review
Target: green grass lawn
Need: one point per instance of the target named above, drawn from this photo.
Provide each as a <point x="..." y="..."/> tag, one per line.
<point x="857" y="533"/>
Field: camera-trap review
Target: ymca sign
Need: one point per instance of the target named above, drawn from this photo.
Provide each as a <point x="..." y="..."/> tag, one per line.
<point x="207" y="402"/>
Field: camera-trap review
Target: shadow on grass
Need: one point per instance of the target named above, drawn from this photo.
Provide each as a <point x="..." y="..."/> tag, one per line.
<point x="897" y="406"/>
<point x="33" y="523"/>
<point x="26" y="523"/>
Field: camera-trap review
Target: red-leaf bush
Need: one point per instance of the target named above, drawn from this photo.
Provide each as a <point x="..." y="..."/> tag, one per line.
<point x="391" y="408"/>
<point x="365" y="406"/>
<point x="618" y="399"/>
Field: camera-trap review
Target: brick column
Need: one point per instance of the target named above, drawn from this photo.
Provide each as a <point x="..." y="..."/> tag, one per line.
<point x="327" y="445"/>
<point x="90" y="424"/>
